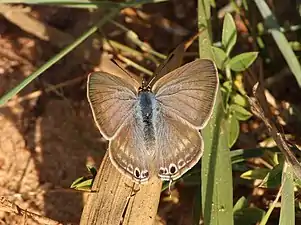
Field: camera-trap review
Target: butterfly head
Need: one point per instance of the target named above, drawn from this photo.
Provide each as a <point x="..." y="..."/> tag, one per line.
<point x="144" y="87"/>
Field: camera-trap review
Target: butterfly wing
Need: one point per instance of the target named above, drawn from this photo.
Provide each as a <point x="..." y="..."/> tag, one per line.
<point x="114" y="102"/>
<point x="185" y="99"/>
<point x="189" y="92"/>
<point x="179" y="148"/>
<point x="111" y="99"/>
<point x="128" y="150"/>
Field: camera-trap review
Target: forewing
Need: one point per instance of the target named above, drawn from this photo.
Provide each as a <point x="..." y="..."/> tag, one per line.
<point x="189" y="91"/>
<point x="128" y="151"/>
<point x="111" y="99"/>
<point x="179" y="147"/>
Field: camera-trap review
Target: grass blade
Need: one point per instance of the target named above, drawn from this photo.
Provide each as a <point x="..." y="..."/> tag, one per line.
<point x="287" y="213"/>
<point x="280" y="39"/>
<point x="84" y="3"/>
<point x="56" y="58"/>
<point x="264" y="220"/>
<point x="203" y="22"/>
<point x="216" y="189"/>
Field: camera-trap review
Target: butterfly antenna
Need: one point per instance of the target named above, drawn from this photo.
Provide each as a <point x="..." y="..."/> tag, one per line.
<point x="114" y="50"/>
<point x="120" y="67"/>
<point x="115" y="53"/>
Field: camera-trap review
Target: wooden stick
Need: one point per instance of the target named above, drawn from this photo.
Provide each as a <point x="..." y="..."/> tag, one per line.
<point x="116" y="200"/>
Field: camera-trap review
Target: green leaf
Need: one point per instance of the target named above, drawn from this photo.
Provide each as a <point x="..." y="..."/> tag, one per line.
<point x="240" y="204"/>
<point x="229" y="35"/>
<point x="217" y="191"/>
<point x="204" y="19"/>
<point x="85" y="3"/>
<point x="216" y="174"/>
<point x="233" y="129"/>
<point x="82" y="183"/>
<point x="92" y="170"/>
<point x="240" y="155"/>
<point x="219" y="56"/>
<point x="226" y="88"/>
<point x="273" y="177"/>
<point x="242" y="61"/>
<point x="85" y="183"/>
<point x="258" y="173"/>
<point x="287" y="212"/>
<point x="248" y="216"/>
<point x="239" y="99"/>
<point x="240" y="112"/>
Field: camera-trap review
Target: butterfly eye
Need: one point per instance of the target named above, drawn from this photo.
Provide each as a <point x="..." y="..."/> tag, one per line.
<point x="173" y="169"/>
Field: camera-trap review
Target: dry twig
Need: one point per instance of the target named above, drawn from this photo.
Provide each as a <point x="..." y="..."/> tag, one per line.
<point x="277" y="136"/>
<point x="10" y="207"/>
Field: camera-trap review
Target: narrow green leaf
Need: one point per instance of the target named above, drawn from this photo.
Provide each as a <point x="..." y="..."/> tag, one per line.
<point x="258" y="173"/>
<point x="219" y="57"/>
<point x="287" y="213"/>
<point x="280" y="39"/>
<point x="240" y="112"/>
<point x="217" y="192"/>
<point x="216" y="185"/>
<point x="233" y="129"/>
<point x="240" y="155"/>
<point x="242" y="61"/>
<point x="85" y="3"/>
<point x="205" y="40"/>
<point x="229" y="35"/>
<point x="240" y="204"/>
<point x="266" y="217"/>
<point x="82" y="184"/>
<point x="273" y="177"/>
<point x="56" y="58"/>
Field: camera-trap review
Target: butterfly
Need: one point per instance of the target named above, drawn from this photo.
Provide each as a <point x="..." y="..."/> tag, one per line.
<point x="153" y="128"/>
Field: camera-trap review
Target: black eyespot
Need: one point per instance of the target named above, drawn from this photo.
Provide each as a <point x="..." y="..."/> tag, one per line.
<point x="162" y="170"/>
<point x="146" y="174"/>
<point x="172" y="169"/>
<point x="137" y="173"/>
